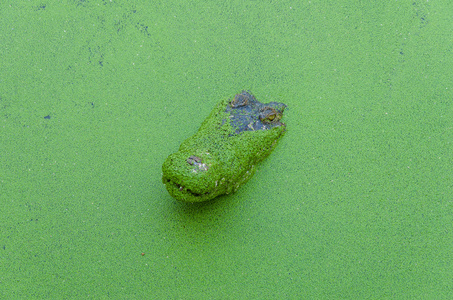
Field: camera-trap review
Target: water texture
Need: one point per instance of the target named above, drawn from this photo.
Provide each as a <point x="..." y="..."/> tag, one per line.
<point x="354" y="203"/>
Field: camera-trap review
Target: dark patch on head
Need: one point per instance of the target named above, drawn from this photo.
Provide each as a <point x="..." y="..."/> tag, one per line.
<point x="248" y="114"/>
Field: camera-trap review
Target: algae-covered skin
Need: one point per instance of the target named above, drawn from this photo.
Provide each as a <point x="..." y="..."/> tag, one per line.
<point x="222" y="155"/>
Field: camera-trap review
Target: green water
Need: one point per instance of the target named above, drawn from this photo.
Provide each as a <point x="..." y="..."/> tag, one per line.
<point x="354" y="203"/>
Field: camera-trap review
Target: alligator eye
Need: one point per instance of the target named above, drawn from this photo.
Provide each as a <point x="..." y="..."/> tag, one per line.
<point x="239" y="100"/>
<point x="267" y="114"/>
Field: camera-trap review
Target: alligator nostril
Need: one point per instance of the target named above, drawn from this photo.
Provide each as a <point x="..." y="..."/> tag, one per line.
<point x="193" y="159"/>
